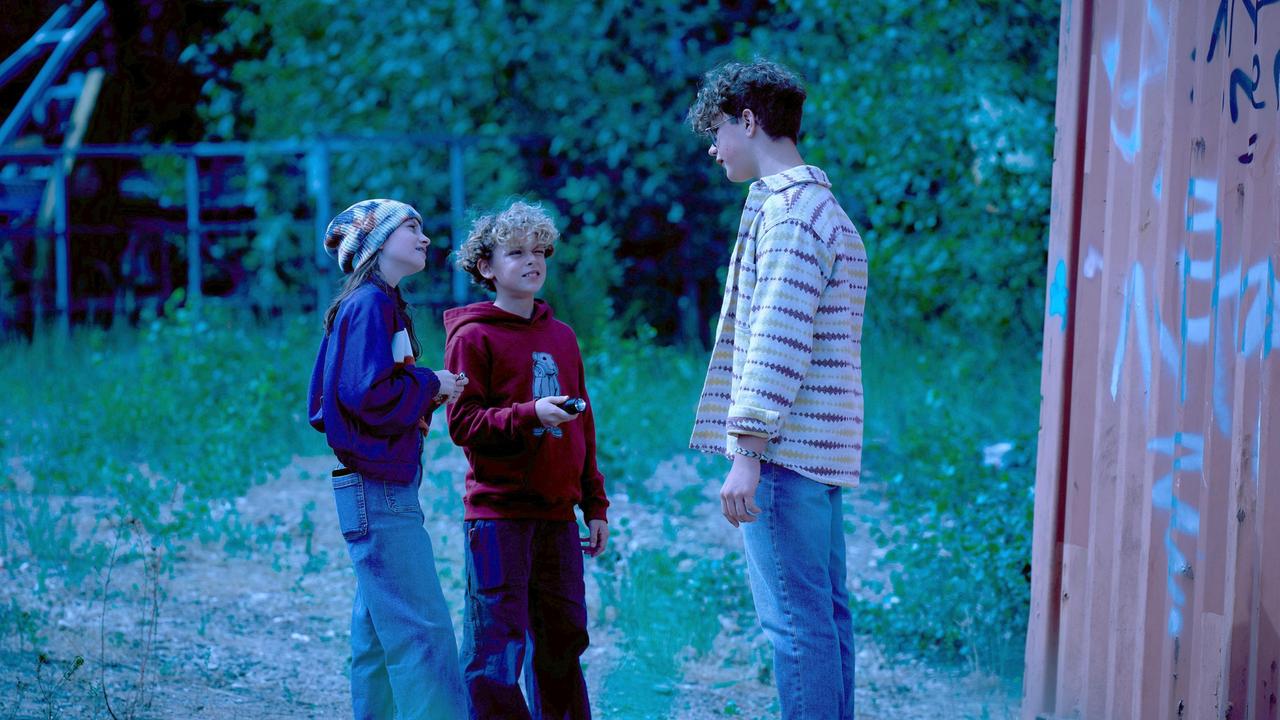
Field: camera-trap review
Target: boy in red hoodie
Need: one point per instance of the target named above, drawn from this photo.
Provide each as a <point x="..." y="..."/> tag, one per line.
<point x="531" y="461"/>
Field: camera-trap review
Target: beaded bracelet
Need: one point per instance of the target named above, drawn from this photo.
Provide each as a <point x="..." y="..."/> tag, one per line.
<point x="745" y="452"/>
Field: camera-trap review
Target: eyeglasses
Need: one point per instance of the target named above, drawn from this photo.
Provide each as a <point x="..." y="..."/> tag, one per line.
<point x="713" y="132"/>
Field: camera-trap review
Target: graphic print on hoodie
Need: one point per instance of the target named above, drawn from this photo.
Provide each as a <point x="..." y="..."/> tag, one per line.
<point x="516" y="468"/>
<point x="546" y="383"/>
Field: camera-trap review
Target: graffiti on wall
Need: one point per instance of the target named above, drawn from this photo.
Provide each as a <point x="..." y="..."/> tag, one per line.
<point x="1250" y="68"/>
<point x="1128" y="89"/>
<point x="1225" y="313"/>
<point x="1197" y="330"/>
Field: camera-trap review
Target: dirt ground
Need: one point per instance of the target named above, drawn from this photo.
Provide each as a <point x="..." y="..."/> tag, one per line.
<point x="265" y="635"/>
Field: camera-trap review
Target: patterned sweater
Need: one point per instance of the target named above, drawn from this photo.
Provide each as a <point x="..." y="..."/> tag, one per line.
<point x="787" y="361"/>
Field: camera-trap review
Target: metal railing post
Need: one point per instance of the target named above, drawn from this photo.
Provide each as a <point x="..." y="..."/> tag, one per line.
<point x="193" y="231"/>
<point x="61" y="248"/>
<point x="457" y="206"/>
<point x="318" y="180"/>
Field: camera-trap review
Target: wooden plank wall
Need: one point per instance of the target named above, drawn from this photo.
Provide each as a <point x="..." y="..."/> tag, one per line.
<point x="1156" y="554"/>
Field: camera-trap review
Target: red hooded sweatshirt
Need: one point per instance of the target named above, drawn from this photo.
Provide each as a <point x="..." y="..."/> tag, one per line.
<point x="519" y="469"/>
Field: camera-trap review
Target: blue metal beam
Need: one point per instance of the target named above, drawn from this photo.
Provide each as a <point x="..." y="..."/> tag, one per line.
<point x="48" y="34"/>
<point x="70" y="41"/>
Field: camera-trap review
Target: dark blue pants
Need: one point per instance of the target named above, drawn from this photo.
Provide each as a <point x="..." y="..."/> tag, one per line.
<point x="524" y="579"/>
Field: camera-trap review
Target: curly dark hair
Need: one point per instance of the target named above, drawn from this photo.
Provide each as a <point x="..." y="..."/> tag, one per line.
<point x="774" y="94"/>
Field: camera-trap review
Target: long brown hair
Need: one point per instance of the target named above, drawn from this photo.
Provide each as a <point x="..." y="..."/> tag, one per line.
<point x="368" y="272"/>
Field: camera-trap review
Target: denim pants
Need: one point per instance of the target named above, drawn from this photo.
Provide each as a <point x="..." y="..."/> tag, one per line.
<point x="796" y="563"/>
<point x="404" y="660"/>
<point x="524" y="580"/>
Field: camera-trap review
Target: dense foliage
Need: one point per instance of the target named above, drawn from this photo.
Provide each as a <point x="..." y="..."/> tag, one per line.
<point x="933" y="119"/>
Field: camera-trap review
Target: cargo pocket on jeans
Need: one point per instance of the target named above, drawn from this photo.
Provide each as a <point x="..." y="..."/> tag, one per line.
<point x="348" y="495"/>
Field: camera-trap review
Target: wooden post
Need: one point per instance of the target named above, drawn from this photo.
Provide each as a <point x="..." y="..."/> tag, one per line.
<point x="457" y="208"/>
<point x="193" y="232"/>
<point x="1044" y="643"/>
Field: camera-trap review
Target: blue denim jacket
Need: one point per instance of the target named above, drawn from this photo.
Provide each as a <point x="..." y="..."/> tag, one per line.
<point x="366" y="403"/>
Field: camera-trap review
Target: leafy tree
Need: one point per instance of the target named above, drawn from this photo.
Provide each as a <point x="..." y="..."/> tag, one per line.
<point x="934" y="120"/>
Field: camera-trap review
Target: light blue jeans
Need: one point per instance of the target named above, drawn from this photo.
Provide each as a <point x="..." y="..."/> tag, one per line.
<point x="795" y="560"/>
<point x="404" y="658"/>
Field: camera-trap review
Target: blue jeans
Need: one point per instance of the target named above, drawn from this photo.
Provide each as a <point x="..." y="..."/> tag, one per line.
<point x="795" y="560"/>
<point x="404" y="660"/>
<point x="524" y="579"/>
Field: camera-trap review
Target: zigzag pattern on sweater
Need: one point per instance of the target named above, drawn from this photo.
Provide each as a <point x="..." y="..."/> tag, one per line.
<point x="787" y="359"/>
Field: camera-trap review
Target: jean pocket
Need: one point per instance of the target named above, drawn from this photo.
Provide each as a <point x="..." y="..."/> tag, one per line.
<point x="402" y="498"/>
<point x="484" y="543"/>
<point x="353" y="515"/>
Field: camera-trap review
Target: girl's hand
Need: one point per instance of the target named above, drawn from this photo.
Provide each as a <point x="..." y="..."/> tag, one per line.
<point x="451" y="385"/>
<point x="550" y="412"/>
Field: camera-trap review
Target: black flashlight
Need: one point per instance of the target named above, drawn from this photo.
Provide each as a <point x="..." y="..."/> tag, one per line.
<point x="573" y="406"/>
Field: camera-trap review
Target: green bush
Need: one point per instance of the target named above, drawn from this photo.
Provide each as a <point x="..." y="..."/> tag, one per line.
<point x="644" y="396"/>
<point x="957" y="530"/>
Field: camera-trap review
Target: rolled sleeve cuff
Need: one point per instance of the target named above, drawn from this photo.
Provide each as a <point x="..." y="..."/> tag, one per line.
<point x="746" y="420"/>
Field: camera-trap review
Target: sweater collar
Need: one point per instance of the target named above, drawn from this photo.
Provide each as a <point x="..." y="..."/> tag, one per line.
<point x="790" y="177"/>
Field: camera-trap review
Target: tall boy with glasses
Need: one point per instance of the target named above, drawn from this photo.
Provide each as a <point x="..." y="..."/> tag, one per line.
<point x="783" y="393"/>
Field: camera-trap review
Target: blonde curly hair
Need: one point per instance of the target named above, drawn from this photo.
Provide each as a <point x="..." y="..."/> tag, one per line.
<point x="519" y="221"/>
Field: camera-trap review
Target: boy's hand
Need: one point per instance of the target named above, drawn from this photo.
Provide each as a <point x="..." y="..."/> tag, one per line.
<point x="598" y="537"/>
<point x="550" y="412"/>
<point x="738" y="494"/>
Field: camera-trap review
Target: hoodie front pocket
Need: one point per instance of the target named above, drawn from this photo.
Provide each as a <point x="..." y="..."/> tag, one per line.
<point x="503" y="466"/>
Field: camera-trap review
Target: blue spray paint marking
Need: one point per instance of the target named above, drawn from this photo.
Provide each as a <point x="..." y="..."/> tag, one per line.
<point x="1168" y="348"/>
<point x="1183" y="517"/>
<point x="1253" y="8"/>
<point x="1135" y="297"/>
<point x="1182" y="353"/>
<point x="1272" y="329"/>
<point x="1276" y="70"/>
<point x="1219" y="27"/>
<point x="1226" y="27"/>
<point x="1258" y="318"/>
<point x="1200" y="191"/>
<point x="1248" y="297"/>
<point x="1059" y="293"/>
<point x="1151" y="67"/>
<point x="1221" y="408"/>
<point x="1247" y="156"/>
<point x="1241" y="81"/>
<point x="1205" y="330"/>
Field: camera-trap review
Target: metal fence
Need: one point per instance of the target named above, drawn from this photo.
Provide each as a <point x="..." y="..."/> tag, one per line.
<point x="312" y="156"/>
<point x="1155" y="581"/>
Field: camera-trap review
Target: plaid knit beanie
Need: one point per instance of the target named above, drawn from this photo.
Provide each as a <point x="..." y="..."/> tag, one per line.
<point x="355" y="234"/>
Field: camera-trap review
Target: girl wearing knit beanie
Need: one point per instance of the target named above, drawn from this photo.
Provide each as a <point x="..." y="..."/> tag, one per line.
<point x="374" y="404"/>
